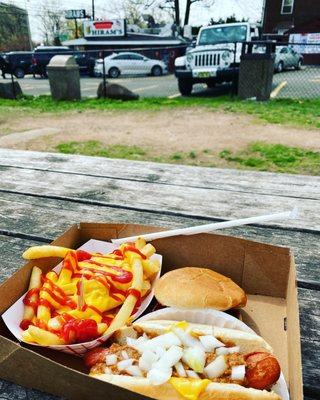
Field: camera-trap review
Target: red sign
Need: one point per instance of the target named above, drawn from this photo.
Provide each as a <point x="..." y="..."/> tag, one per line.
<point x="103" y="24"/>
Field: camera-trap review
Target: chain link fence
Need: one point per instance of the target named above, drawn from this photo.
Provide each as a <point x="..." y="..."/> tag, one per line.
<point x="149" y="72"/>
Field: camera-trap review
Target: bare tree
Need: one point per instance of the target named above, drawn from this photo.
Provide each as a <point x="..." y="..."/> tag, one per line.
<point x="52" y="21"/>
<point x="175" y="8"/>
<point x="134" y="10"/>
<point x="206" y="3"/>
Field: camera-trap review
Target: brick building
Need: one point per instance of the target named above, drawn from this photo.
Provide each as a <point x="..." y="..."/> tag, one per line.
<point x="283" y="15"/>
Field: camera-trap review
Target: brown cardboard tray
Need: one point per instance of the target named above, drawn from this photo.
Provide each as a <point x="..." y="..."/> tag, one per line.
<point x="267" y="274"/>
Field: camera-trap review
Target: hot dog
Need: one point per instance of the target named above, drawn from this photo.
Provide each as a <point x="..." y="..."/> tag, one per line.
<point x="179" y="360"/>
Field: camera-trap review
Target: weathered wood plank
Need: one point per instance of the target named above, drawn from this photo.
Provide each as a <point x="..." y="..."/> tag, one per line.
<point x="309" y="301"/>
<point x="179" y="175"/>
<point x="48" y="218"/>
<point x="311" y="369"/>
<point x="10" y="391"/>
<point x="158" y="199"/>
<point x="11" y="249"/>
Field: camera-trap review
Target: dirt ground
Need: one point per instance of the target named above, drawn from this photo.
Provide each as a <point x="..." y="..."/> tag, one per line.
<point x="160" y="132"/>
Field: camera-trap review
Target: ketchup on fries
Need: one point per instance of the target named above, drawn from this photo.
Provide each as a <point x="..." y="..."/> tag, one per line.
<point x="93" y="294"/>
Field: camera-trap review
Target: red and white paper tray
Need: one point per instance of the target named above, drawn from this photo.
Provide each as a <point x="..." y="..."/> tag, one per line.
<point x="13" y="316"/>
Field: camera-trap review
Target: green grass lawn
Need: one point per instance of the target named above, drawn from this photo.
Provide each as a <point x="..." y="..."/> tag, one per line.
<point x="304" y="113"/>
<point x="257" y="156"/>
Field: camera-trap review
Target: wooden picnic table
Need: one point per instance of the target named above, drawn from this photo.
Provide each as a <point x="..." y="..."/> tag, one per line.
<point x="42" y="194"/>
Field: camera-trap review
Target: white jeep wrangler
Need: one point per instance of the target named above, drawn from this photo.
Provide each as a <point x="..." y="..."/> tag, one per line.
<point x="216" y="56"/>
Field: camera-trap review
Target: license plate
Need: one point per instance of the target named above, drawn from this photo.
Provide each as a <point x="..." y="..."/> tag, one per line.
<point x="204" y="74"/>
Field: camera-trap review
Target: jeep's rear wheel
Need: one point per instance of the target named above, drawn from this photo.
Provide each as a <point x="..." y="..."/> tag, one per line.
<point x="185" y="86"/>
<point x="211" y="84"/>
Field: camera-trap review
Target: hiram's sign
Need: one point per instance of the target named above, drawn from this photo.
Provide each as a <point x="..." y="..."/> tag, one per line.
<point x="111" y="27"/>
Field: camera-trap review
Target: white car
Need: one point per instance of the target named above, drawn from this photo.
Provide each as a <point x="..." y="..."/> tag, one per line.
<point x="129" y="64"/>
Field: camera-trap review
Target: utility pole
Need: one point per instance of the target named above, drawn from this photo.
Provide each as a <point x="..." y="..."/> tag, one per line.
<point x="28" y="25"/>
<point x="92" y="10"/>
<point x="76" y="28"/>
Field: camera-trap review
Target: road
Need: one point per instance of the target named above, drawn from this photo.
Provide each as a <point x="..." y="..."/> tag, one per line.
<point x="299" y="84"/>
<point x="293" y="84"/>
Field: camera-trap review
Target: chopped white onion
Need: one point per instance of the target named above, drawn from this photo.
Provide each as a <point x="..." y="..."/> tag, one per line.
<point x="238" y="372"/>
<point x="210" y="343"/>
<point x="166" y="340"/>
<point x="169" y="358"/>
<point x="180" y="370"/>
<point x="131" y="341"/>
<point x="125" y="355"/>
<point x="134" y="370"/>
<point x="138" y="344"/>
<point x="192" y="374"/>
<point x="147" y="359"/>
<point x="227" y="350"/>
<point x="195" y="357"/>
<point x="107" y="370"/>
<point x="124" y="364"/>
<point x="216" y="368"/>
<point x="158" y="376"/>
<point x="111" y="359"/>
<point x="186" y="339"/>
<point x="159" y="351"/>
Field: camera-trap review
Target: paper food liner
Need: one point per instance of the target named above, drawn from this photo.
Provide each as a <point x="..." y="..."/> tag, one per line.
<point x="13" y="316"/>
<point x="216" y="318"/>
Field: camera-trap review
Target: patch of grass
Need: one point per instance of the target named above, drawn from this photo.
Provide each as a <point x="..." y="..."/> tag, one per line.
<point x="176" y="156"/>
<point x="275" y="157"/>
<point x="96" y="148"/>
<point x="277" y="111"/>
<point x="258" y="156"/>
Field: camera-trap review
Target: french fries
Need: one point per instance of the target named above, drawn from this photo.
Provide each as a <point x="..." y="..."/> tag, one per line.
<point x="127" y="307"/>
<point x="41" y="336"/>
<point x="92" y="295"/>
<point x="34" y="285"/>
<point x="45" y="251"/>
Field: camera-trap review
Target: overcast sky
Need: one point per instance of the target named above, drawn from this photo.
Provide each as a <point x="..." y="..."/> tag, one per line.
<point x="200" y="15"/>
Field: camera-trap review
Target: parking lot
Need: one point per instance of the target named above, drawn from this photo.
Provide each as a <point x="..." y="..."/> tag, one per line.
<point x="289" y="84"/>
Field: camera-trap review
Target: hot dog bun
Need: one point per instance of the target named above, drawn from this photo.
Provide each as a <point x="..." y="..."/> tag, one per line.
<point x="214" y="391"/>
<point x="195" y="287"/>
<point x="248" y="343"/>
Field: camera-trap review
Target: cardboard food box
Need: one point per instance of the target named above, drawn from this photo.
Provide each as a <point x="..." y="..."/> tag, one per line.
<point x="267" y="274"/>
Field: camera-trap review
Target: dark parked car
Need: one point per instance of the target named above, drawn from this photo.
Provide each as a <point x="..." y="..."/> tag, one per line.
<point x="43" y="54"/>
<point x="17" y="62"/>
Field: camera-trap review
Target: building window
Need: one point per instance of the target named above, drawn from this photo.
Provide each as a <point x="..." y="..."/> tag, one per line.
<point x="287" y="6"/>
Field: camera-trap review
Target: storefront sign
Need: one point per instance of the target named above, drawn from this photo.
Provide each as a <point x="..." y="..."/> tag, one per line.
<point x="307" y="43"/>
<point x="108" y="28"/>
<point x="74" y="14"/>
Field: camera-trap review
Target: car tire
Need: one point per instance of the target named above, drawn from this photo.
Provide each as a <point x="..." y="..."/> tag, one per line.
<point x="19" y="73"/>
<point x="114" y="72"/>
<point x="156" y="71"/>
<point x="280" y="67"/>
<point x="299" y="65"/>
<point x="211" y="84"/>
<point x="185" y="86"/>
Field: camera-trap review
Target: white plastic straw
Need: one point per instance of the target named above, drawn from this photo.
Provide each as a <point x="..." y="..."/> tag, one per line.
<point x="210" y="227"/>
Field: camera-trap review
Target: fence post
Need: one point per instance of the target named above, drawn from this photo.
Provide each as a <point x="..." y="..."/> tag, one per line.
<point x="104" y="76"/>
<point x="234" y="77"/>
<point x="13" y="87"/>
